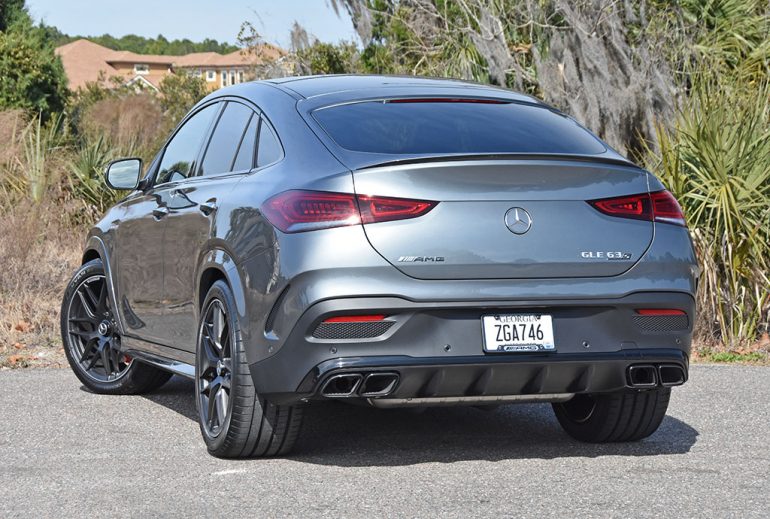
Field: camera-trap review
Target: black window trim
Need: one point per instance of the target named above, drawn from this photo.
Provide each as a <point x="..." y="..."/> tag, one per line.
<point x="204" y="149"/>
<point x="263" y="118"/>
<point x="206" y="138"/>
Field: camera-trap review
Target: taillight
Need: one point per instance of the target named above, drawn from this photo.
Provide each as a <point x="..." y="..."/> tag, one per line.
<point x="666" y="209"/>
<point x="660" y="206"/>
<point x="376" y="209"/>
<point x="299" y="211"/>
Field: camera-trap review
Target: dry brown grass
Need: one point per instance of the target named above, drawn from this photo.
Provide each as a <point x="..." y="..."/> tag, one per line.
<point x="132" y="124"/>
<point x="39" y="250"/>
<point x="12" y="123"/>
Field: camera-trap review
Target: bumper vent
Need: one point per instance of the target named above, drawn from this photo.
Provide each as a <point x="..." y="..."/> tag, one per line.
<point x="661" y="323"/>
<point x="355" y="330"/>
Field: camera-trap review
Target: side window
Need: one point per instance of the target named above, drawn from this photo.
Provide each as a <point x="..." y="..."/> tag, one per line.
<point x="180" y="154"/>
<point x="245" y="158"/>
<point x="228" y="134"/>
<point x="269" y="149"/>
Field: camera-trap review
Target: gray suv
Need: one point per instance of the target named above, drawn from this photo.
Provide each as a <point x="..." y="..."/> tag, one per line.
<point x="393" y="241"/>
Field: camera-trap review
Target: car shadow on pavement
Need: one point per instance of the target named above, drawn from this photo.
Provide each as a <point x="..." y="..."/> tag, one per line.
<point x="338" y="434"/>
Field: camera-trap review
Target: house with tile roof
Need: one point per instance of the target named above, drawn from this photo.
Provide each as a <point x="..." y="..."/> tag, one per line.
<point x="87" y="62"/>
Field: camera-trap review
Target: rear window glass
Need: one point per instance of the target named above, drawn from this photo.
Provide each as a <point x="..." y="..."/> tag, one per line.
<point x="430" y="127"/>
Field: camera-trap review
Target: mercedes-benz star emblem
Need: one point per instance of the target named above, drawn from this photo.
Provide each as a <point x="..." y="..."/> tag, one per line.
<point x="518" y="220"/>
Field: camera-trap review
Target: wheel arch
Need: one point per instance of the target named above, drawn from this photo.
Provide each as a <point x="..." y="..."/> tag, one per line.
<point x="96" y="249"/>
<point x="90" y="255"/>
<point x="217" y="265"/>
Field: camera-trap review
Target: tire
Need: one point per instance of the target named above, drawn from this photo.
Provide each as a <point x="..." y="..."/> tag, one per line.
<point x="240" y="424"/>
<point x="613" y="417"/>
<point x="95" y="357"/>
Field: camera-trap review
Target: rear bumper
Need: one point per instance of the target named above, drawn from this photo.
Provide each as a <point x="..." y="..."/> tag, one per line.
<point x="436" y="348"/>
<point x="518" y="374"/>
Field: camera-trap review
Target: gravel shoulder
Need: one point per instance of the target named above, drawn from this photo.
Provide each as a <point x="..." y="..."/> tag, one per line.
<point x="67" y="452"/>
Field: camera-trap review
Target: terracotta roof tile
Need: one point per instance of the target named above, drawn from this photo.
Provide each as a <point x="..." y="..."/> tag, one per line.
<point x="84" y="61"/>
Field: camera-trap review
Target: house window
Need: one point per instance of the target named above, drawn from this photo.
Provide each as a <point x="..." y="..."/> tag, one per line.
<point x="240" y="76"/>
<point x="211" y="75"/>
<point x="141" y="68"/>
<point x="232" y="77"/>
<point x="224" y="78"/>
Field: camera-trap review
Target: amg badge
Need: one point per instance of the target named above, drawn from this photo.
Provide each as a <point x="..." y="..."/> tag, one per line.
<point x="418" y="259"/>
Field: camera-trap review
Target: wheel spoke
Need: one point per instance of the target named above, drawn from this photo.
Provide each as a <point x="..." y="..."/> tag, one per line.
<point x="83" y="320"/>
<point x="87" y="350"/>
<point x="102" y="304"/>
<point x="209" y="358"/>
<point x="115" y="358"/>
<point x="218" y="322"/>
<point x="222" y="400"/>
<point x="106" y="360"/>
<point x="86" y="308"/>
<point x="87" y="336"/>
<point x="212" y="404"/>
<point x="94" y="358"/>
<point x="92" y="299"/>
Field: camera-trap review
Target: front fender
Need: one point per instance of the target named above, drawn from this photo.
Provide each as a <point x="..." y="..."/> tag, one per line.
<point x="96" y="246"/>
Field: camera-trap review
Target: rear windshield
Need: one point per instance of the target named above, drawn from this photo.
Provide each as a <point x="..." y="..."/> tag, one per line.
<point x="408" y="127"/>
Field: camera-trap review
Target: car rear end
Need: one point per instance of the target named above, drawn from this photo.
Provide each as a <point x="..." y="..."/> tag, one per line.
<point x="492" y="250"/>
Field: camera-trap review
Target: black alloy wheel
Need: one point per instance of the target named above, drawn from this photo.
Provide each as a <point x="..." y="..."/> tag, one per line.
<point x="215" y="366"/>
<point x="93" y="339"/>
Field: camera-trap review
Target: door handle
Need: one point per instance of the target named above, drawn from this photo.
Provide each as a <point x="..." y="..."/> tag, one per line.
<point x="208" y="207"/>
<point x="159" y="212"/>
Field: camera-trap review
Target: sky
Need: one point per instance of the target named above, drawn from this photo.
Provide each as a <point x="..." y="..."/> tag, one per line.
<point x="193" y="19"/>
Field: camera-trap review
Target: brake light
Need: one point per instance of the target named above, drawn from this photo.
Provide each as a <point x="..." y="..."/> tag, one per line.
<point x="299" y="211"/>
<point x="355" y="319"/>
<point x="376" y="209"/>
<point x="660" y="311"/>
<point x="660" y="206"/>
<point x="448" y="100"/>
<point x="666" y="209"/>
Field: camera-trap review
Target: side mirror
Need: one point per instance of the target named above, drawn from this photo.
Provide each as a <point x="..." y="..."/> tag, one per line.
<point x="123" y="173"/>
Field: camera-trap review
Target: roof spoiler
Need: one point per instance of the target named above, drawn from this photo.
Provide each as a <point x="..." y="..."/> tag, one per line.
<point x="616" y="161"/>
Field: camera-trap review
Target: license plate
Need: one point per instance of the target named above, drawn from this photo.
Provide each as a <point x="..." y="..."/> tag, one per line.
<point x="518" y="332"/>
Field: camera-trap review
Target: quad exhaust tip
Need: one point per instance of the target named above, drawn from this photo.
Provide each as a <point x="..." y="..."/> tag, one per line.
<point x="671" y="375"/>
<point x="341" y="386"/>
<point x="649" y="376"/>
<point x="364" y="385"/>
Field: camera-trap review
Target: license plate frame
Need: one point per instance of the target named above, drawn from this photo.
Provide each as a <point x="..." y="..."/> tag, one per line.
<point x="526" y="323"/>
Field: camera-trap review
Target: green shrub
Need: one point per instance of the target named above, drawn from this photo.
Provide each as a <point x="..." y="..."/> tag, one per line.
<point x="31" y="75"/>
<point x="716" y="160"/>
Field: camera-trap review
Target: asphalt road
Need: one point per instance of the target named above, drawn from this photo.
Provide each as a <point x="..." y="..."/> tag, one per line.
<point x="65" y="452"/>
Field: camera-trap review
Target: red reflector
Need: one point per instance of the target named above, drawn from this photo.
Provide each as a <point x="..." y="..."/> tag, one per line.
<point x="380" y="209"/>
<point x="355" y="319"/>
<point x="660" y="311"/>
<point x="660" y="206"/>
<point x="298" y="211"/>
<point x="448" y="100"/>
